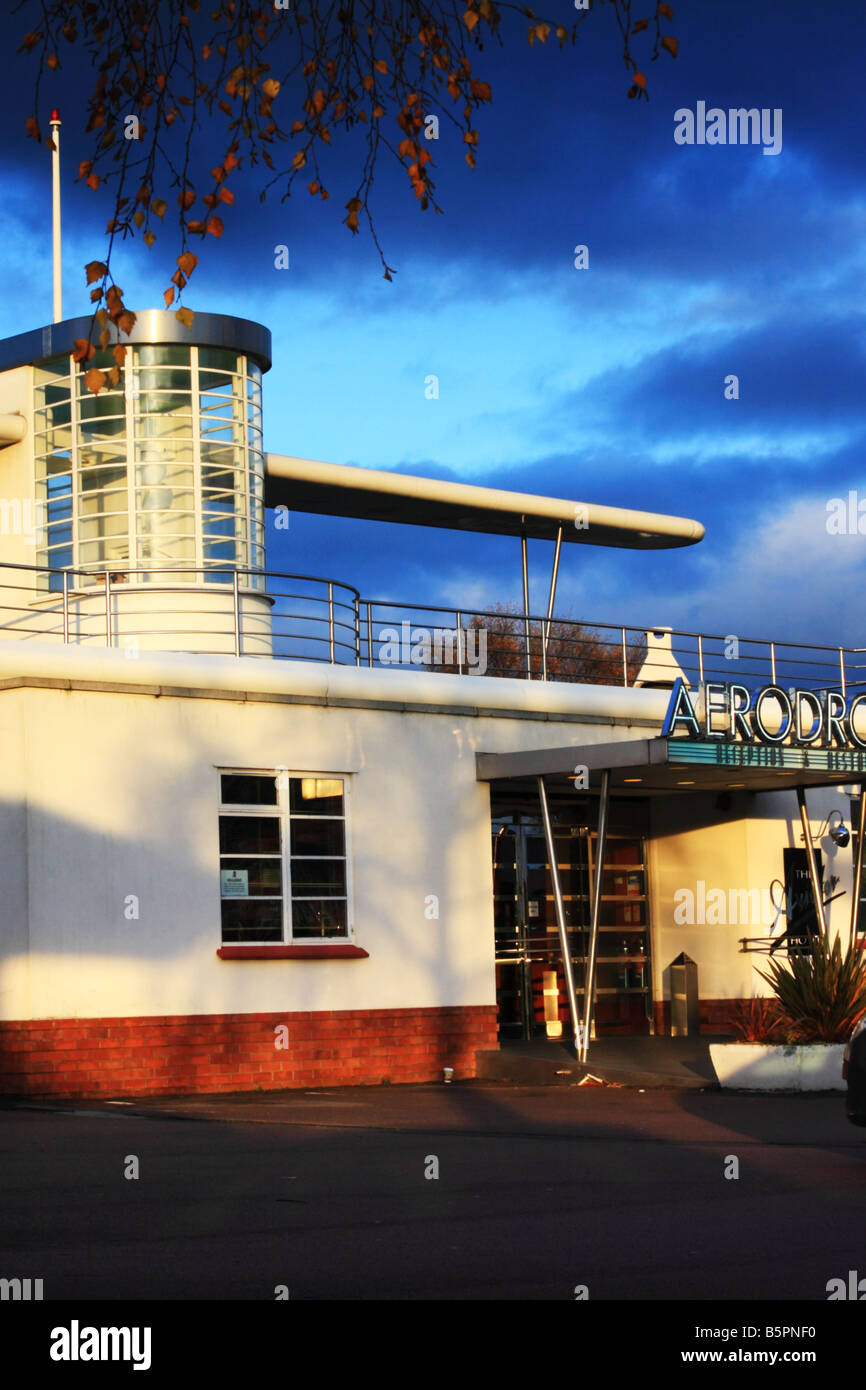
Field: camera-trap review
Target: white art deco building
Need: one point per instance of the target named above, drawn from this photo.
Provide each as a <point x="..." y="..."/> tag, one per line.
<point x="257" y="830"/>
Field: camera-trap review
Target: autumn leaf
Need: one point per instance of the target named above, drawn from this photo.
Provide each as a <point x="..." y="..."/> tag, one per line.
<point x="82" y="350"/>
<point x="185" y="316"/>
<point x="638" y="25"/>
<point x="186" y="199"/>
<point x="93" y="181"/>
<point x="270" y="87"/>
<point x="367" y="83"/>
<point x="230" y="162"/>
<point x="149" y="238"/>
<point x="187" y="261"/>
<point x="215" y="226"/>
<point x="168" y="296"/>
<point x="31" y="125"/>
<point x="94" y="380"/>
<point x="94" y="270"/>
<point x="126" y="321"/>
<point x="299" y="160"/>
<point x="95" y="295"/>
<point x="380" y="65"/>
<point x="313" y="187"/>
<point x="670" y="43"/>
<point x="158" y="207"/>
<point x="84" y="167"/>
<point x="470" y="19"/>
<point x="639" y="79"/>
<point x="480" y="90"/>
<point x="666" y="11"/>
<point x="226" y="196"/>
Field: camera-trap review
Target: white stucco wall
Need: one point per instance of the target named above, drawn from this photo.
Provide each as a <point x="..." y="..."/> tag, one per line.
<point x="118" y="792"/>
<point x="112" y="791"/>
<point x="693" y="841"/>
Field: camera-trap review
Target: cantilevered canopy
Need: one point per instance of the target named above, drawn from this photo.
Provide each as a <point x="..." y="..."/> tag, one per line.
<point x="334" y="489"/>
<point x="678" y="766"/>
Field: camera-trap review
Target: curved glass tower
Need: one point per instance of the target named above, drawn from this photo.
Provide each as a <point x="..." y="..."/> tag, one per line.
<point x="163" y="472"/>
<point x="154" y="484"/>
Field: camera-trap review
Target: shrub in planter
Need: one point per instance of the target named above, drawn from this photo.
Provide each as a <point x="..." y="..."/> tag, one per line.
<point x="821" y="996"/>
<point x="758" y="1020"/>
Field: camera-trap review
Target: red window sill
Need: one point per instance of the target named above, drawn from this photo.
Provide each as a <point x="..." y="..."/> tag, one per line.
<point x="335" y="950"/>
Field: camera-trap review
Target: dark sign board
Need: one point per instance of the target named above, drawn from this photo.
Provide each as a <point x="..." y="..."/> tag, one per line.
<point x="802" y="919"/>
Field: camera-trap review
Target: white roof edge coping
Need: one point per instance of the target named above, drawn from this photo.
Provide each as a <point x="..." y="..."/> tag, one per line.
<point x="679" y="530"/>
<point x="272" y="676"/>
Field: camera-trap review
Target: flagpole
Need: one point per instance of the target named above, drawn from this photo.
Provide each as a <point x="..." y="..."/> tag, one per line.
<point x="55" y="214"/>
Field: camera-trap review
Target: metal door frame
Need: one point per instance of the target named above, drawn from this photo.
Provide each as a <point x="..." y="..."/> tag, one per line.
<point x="520" y="827"/>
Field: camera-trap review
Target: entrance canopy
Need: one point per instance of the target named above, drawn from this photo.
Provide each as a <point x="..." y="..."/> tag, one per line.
<point x="371" y="494"/>
<point x="670" y="766"/>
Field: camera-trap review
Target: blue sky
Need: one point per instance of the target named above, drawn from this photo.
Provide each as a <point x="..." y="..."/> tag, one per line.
<point x="604" y="385"/>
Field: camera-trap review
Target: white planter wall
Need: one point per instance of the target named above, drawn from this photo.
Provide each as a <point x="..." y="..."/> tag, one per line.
<point x="756" y="1067"/>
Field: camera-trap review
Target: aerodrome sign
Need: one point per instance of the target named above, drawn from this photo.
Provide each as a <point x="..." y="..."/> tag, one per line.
<point x="770" y="727"/>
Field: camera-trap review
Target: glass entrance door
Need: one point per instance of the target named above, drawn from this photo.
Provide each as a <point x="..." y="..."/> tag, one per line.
<point x="530" y="986"/>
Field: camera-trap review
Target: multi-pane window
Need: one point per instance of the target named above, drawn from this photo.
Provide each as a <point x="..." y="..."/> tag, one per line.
<point x="283" y="859"/>
<point x="165" y="471"/>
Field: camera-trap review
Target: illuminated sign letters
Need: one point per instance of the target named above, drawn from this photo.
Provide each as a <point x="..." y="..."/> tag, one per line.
<point x="770" y="715"/>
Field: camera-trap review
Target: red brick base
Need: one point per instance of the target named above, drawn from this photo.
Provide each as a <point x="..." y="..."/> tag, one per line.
<point x="713" y="1015"/>
<point x="237" y="1052"/>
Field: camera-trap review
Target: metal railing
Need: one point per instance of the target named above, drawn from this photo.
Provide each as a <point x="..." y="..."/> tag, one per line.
<point x="305" y="617"/>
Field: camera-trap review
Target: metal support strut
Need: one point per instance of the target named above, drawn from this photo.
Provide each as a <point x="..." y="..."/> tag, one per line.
<point x="550" y="602"/>
<point x="589" y="979"/>
<point x="526" y="608"/>
<point x="560" y="914"/>
<point x="813" y="863"/>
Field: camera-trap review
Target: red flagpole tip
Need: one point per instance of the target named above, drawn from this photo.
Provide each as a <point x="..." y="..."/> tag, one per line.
<point x="55" y="116"/>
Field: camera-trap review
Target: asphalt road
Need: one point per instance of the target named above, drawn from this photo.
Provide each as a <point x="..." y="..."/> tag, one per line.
<point x="539" y="1190"/>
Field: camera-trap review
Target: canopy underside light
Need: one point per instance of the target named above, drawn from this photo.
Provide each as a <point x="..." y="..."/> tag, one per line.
<point x="333" y="489"/>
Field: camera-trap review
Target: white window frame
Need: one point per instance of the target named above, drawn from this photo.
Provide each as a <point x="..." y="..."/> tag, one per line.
<point x="281" y="812"/>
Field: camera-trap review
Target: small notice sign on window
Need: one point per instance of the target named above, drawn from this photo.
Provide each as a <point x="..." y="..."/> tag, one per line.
<point x="235" y="883"/>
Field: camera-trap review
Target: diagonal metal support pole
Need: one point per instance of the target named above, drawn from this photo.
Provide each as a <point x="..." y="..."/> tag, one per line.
<point x="526" y="608"/>
<point x="589" y="978"/>
<point x="550" y="603"/>
<point x="564" y="946"/>
<point x="813" y="863"/>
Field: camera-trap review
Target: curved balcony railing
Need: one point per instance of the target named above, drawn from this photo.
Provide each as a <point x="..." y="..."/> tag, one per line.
<point x="306" y="617"/>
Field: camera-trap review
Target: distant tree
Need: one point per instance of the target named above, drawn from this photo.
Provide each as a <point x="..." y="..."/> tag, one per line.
<point x="296" y="72"/>
<point x="575" y="652"/>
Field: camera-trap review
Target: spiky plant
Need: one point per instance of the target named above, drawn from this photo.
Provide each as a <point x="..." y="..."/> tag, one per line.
<point x="822" y="996"/>
<point x="758" y="1020"/>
